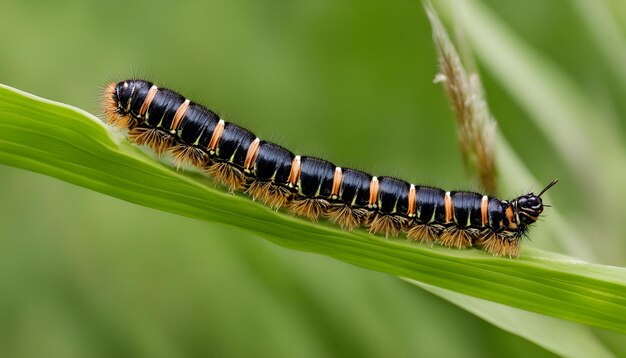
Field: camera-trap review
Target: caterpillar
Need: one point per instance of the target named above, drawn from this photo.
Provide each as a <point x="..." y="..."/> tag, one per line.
<point x="311" y="187"/>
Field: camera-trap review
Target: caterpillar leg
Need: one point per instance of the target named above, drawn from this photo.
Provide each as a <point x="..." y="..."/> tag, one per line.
<point x="498" y="244"/>
<point x="309" y="207"/>
<point x="427" y="233"/>
<point x="187" y="154"/>
<point x="347" y="217"/>
<point x="388" y="224"/>
<point x="227" y="174"/>
<point x="274" y="196"/>
<point x="155" y="139"/>
<point x="455" y="237"/>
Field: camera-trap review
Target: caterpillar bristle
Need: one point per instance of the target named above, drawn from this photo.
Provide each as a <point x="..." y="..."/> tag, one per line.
<point x="390" y="225"/>
<point x="260" y="190"/>
<point x="272" y="195"/>
<point x="155" y="139"/>
<point x="227" y="174"/>
<point x="186" y="154"/>
<point x="278" y="196"/>
<point x="309" y="207"/>
<point x="346" y="217"/>
<point x="124" y="122"/>
<point x="455" y="237"/>
<point x="109" y="107"/>
<point x="498" y="245"/>
<point x="311" y="187"/>
<point x="476" y="234"/>
<point x="424" y="233"/>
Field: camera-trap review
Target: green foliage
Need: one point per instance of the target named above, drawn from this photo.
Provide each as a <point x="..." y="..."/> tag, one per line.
<point x="84" y="274"/>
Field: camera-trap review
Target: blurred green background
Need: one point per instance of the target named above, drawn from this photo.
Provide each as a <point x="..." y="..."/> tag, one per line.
<point x="82" y="274"/>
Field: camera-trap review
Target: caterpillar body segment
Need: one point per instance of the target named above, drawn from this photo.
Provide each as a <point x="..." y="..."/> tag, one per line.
<point x="312" y="187"/>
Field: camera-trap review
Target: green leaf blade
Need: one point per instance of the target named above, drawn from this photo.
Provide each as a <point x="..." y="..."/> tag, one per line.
<point x="71" y="145"/>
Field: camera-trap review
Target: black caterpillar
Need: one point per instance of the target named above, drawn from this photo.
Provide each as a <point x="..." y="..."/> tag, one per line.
<point x="165" y="121"/>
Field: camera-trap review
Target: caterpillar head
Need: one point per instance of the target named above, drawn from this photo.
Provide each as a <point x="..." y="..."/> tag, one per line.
<point x="528" y="207"/>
